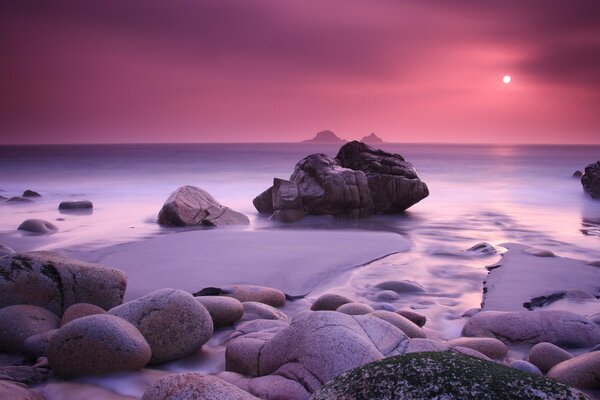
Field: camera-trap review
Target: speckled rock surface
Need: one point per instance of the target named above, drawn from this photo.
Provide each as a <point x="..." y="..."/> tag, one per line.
<point x="80" y="310"/>
<point x="12" y="391"/>
<point x="97" y="344"/>
<point x="194" y="386"/>
<point x="19" y="322"/>
<point x="491" y="347"/>
<point x="255" y="310"/>
<point x="223" y="310"/>
<point x="424" y="376"/>
<point x="546" y="355"/>
<point x="562" y="328"/>
<point x="55" y="282"/>
<point x="173" y="322"/>
<point x="582" y="371"/>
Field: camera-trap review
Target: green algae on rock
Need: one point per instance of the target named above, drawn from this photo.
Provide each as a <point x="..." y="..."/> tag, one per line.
<point x="446" y="375"/>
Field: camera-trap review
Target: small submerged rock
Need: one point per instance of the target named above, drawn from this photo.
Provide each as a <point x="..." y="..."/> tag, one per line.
<point x="19" y="199"/>
<point x="76" y="205"/>
<point x="404" y="324"/>
<point x="329" y="302"/>
<point x="482" y="249"/>
<point x="447" y="375"/>
<point x="35" y="225"/>
<point x="5" y="250"/>
<point x="401" y="286"/>
<point x="192" y="206"/>
<point x="95" y="345"/>
<point x="525" y="367"/>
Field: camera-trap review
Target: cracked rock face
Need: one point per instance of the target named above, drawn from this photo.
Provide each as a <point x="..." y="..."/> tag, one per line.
<point x="562" y="328"/>
<point x="55" y="282"/>
<point x="359" y="182"/>
<point x="591" y="180"/>
<point x="190" y="206"/>
<point x="95" y="345"/>
<point x="173" y="322"/>
<point x="316" y="347"/>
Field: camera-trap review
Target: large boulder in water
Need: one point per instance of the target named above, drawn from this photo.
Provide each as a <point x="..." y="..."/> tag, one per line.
<point x="591" y="180"/>
<point x="442" y="375"/>
<point x="55" y="282"/>
<point x="190" y="205"/>
<point x="359" y="182"/>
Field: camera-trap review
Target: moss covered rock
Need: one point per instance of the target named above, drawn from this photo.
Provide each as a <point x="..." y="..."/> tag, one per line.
<point x="445" y="375"/>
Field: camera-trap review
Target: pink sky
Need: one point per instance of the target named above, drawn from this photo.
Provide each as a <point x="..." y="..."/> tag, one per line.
<point x="101" y="71"/>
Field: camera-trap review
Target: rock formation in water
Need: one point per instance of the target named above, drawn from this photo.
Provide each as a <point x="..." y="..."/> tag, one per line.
<point x="325" y="137"/>
<point x="372" y="139"/>
<point x="359" y="182"/>
<point x="190" y="205"/>
<point x="591" y="180"/>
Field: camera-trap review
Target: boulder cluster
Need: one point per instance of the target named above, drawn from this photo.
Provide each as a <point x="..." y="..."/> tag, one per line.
<point x="360" y="181"/>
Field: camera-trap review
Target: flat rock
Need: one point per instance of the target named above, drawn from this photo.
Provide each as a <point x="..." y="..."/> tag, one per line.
<point x="255" y="310"/>
<point x="223" y="310"/>
<point x="590" y="180"/>
<point x="491" y="347"/>
<point x="80" y="310"/>
<point x="31" y="193"/>
<point x="404" y="324"/>
<point x="546" y="355"/>
<point x="580" y="371"/>
<point x="194" y="386"/>
<point x="37" y="226"/>
<point x="55" y="282"/>
<point x="319" y="345"/>
<point x="164" y="315"/>
<point x="75" y="205"/>
<point x="562" y="328"/>
<point x="329" y="302"/>
<point x="95" y="345"/>
<point x="19" y="322"/>
<point x="521" y="276"/>
<point x="191" y="206"/>
<point x="355" y="309"/>
<point x="441" y="375"/>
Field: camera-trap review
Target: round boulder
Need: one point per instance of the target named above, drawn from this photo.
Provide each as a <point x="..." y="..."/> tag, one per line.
<point x="355" y="309"/>
<point x="75" y="205"/>
<point x="37" y="226"/>
<point x="19" y="322"/>
<point x="223" y="310"/>
<point x="491" y="347"/>
<point x="95" y="345"/>
<point x="546" y="355"/>
<point x="581" y="371"/>
<point x="173" y="322"/>
<point x="329" y="302"/>
<point x="417" y="318"/>
<point x="194" y="386"/>
<point x="80" y="310"/>
<point x="255" y="310"/>
<point x="261" y="294"/>
<point x="404" y="324"/>
<point x="442" y="375"/>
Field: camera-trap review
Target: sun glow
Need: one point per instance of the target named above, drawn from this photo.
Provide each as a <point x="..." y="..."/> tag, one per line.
<point x="506" y="79"/>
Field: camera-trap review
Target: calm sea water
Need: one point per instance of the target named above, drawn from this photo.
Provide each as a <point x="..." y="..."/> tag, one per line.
<point x="489" y="193"/>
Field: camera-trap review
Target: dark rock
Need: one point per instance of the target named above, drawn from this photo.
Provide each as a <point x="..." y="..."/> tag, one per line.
<point x="577" y="174"/>
<point x="591" y="180"/>
<point x="360" y="181"/>
<point x="325" y="136"/>
<point x="37" y="226"/>
<point x="56" y="282"/>
<point x="80" y="310"/>
<point x="525" y="367"/>
<point x="18" y="322"/>
<point x="287" y="203"/>
<point x="37" y="345"/>
<point x="442" y="375"/>
<point x="31" y="193"/>
<point x="173" y="322"/>
<point x="192" y="206"/>
<point x="194" y="386"/>
<point x="255" y="310"/>
<point x="95" y="345"/>
<point x="330" y="302"/>
<point x="19" y="199"/>
<point x="417" y="318"/>
<point x="372" y="139"/>
<point x="75" y="205"/>
<point x="482" y="248"/>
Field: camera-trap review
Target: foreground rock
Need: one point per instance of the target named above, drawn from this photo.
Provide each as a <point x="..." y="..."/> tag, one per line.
<point x="56" y="282"/>
<point x="360" y="181"/>
<point x="223" y="310"/>
<point x="95" y="345"/>
<point x="173" y="322"/>
<point x="319" y="345"/>
<point x="194" y="386"/>
<point x="19" y="322"/>
<point x="441" y="376"/>
<point x="582" y="371"/>
<point x="591" y="180"/>
<point x="562" y="328"/>
<point x="76" y="205"/>
<point x="546" y="355"/>
<point x="191" y="206"/>
<point x="37" y="226"/>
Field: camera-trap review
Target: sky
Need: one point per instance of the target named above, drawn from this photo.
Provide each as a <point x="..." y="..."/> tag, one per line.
<point x="133" y="71"/>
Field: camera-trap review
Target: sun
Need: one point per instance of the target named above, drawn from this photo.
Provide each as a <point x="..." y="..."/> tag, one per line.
<point x="506" y="79"/>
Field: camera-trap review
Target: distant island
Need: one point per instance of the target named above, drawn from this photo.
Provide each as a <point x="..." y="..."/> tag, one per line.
<point x="325" y="137"/>
<point x="372" y="139"/>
